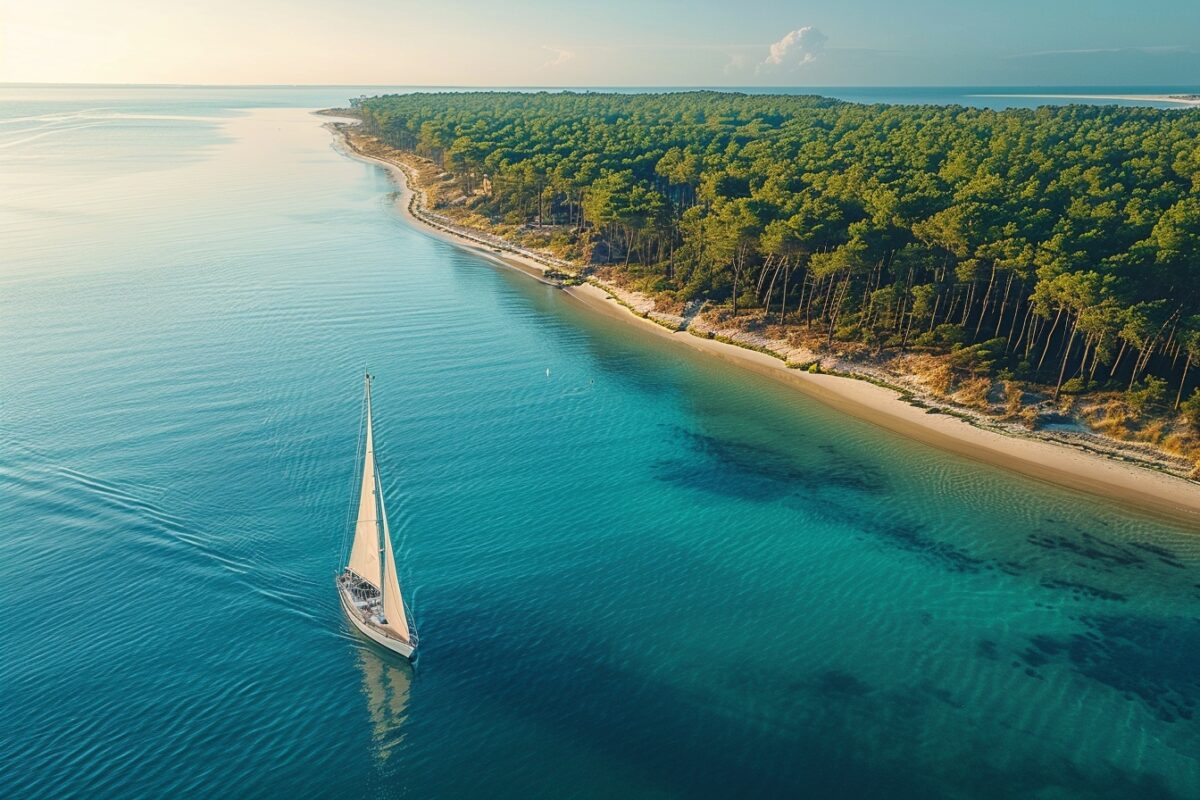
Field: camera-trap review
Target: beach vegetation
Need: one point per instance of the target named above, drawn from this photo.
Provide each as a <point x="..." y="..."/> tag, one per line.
<point x="1149" y="392"/>
<point x="1014" y="399"/>
<point x="1191" y="409"/>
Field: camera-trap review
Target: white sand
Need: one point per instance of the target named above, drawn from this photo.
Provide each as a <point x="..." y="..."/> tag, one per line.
<point x="1156" y="98"/>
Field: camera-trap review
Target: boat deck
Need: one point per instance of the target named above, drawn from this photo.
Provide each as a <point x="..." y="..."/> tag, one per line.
<point x="367" y="603"/>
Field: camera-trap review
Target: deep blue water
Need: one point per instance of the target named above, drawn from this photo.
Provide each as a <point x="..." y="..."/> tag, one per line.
<point x="637" y="572"/>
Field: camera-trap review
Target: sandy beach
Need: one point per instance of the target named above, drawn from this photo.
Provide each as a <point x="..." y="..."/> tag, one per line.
<point x="1078" y="469"/>
<point x="1180" y="100"/>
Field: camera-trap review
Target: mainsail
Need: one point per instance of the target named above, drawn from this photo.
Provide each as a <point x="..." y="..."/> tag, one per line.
<point x="364" y="555"/>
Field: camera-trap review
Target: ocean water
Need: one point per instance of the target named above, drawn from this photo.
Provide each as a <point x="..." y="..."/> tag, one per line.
<point x="194" y="99"/>
<point x="636" y="571"/>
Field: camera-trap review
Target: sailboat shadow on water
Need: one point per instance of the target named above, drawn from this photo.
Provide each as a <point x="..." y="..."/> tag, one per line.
<point x="387" y="682"/>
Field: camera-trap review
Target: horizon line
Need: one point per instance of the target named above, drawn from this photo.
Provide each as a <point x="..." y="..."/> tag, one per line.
<point x="110" y="85"/>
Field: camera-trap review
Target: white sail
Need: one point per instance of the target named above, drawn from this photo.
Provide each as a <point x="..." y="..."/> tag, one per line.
<point x="393" y="604"/>
<point x="364" y="555"/>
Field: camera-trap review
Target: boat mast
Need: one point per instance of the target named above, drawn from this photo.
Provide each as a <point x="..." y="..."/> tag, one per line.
<point x="377" y="498"/>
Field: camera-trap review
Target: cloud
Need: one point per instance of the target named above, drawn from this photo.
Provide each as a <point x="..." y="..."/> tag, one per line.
<point x="801" y="46"/>
<point x="558" y="57"/>
<point x="735" y="63"/>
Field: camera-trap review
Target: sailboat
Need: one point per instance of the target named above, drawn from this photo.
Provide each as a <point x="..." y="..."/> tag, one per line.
<point x="368" y="586"/>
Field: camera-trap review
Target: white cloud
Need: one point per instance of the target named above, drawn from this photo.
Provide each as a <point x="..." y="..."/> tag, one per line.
<point x="801" y="46"/>
<point x="558" y="56"/>
<point x="735" y="63"/>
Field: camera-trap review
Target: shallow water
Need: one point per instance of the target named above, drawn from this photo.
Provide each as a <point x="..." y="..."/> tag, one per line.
<point x="636" y="571"/>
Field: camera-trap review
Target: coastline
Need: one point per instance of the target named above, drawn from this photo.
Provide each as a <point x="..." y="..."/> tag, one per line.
<point x="1067" y="465"/>
<point x="1183" y="102"/>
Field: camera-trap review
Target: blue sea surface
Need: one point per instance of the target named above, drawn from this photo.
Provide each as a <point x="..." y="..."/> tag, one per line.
<point x="25" y="98"/>
<point x="636" y="571"/>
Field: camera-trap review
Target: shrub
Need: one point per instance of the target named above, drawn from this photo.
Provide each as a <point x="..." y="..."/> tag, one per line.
<point x="846" y="332"/>
<point x="974" y="393"/>
<point x="1190" y="409"/>
<point x="949" y="334"/>
<point x="1013" y="399"/>
<point x="978" y="358"/>
<point x="938" y="378"/>
<point x="1111" y="419"/>
<point x="1149" y="393"/>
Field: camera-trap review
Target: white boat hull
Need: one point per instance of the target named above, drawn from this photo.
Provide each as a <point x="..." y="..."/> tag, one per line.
<point x="370" y="631"/>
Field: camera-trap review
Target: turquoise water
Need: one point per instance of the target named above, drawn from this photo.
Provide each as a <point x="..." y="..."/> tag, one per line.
<point x="636" y="571"/>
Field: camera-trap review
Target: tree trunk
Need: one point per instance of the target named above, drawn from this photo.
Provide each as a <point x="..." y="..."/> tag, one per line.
<point x="771" y="291"/>
<point x="1121" y="352"/>
<point x="735" y="286"/>
<point x="1008" y="342"/>
<point x="987" y="296"/>
<point x="1003" y="305"/>
<point x="1062" y="369"/>
<point x="783" y="304"/>
<point x="1049" y="340"/>
<point x="1183" y="381"/>
<point x="837" y="306"/>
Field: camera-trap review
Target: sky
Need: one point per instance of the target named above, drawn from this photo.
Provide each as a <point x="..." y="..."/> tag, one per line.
<point x="610" y="43"/>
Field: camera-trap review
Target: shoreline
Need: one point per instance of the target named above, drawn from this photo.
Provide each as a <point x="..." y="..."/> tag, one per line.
<point x="1178" y="100"/>
<point x="1064" y="465"/>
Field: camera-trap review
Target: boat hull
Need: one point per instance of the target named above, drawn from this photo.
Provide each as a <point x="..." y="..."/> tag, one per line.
<point x="370" y="631"/>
